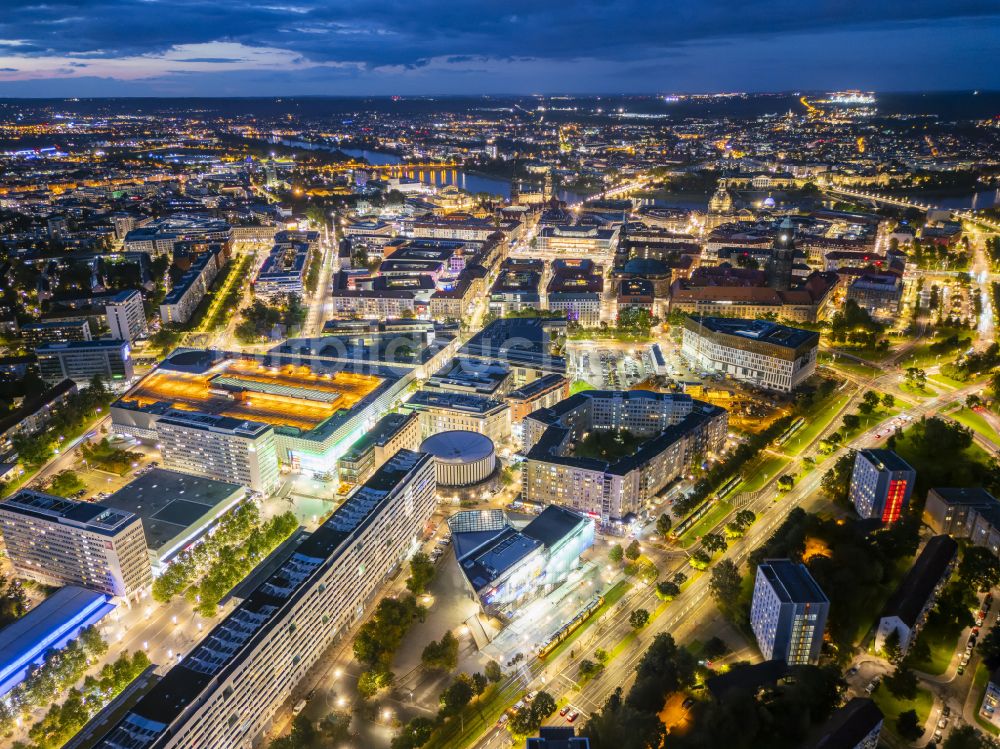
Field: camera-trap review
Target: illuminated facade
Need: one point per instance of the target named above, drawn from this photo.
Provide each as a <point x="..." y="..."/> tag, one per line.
<point x="788" y="613"/>
<point x="228" y="690"/>
<point x="506" y="568"/>
<point x="881" y="485"/>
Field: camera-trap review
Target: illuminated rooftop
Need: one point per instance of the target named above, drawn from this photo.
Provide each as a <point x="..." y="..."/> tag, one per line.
<point x="289" y="395"/>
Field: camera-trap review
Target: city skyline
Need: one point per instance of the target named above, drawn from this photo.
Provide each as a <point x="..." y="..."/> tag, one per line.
<point x="194" y="49"/>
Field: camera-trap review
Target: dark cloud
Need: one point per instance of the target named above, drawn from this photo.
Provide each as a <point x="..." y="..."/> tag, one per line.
<point x="484" y="36"/>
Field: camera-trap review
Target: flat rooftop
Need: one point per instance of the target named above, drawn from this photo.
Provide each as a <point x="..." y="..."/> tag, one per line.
<point x="792" y="581"/>
<point x="170" y="503"/>
<point x="289" y="395"/>
<point x="757" y="330"/>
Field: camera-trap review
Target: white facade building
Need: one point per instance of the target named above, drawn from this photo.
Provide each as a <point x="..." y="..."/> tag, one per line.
<point x="227" y="691"/>
<point x="220" y="447"/>
<point x="126" y="316"/>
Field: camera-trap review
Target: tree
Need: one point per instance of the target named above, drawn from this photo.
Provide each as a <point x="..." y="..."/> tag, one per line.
<point x="871" y="399"/>
<point x="967" y="737"/>
<point x="908" y="725"/>
<point x="638" y="618"/>
<point x="852" y="422"/>
<point x="663" y="525"/>
<point x="414" y="734"/>
<point x="888" y="400"/>
<point x="786" y="482"/>
<point x="371" y="682"/>
<point x="902" y="682"/>
<point x="479" y="683"/>
<point x="616" y="553"/>
<point x="441" y="656"/>
<point x="725" y="583"/>
<point x="989" y="648"/>
<point x="588" y="668"/>
<point x="493" y="671"/>
<point x="699" y="559"/>
<point x="716" y="647"/>
<point x="891" y="648"/>
<point x="66" y="483"/>
<point x="632" y="551"/>
<point x="421" y="573"/>
<point x="979" y="568"/>
<point x="667" y="591"/>
<point x="529" y="718"/>
<point x="456" y="696"/>
<point x="713" y="542"/>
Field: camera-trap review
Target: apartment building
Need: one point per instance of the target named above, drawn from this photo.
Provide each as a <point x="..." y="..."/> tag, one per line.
<point x="444" y="411"/>
<point x="788" y="613"/>
<point x="220" y="447"/>
<point x="126" y="316"/>
<point x="227" y="691"/>
<point x="81" y="360"/>
<point x="881" y="484"/>
<point x="58" y="541"/>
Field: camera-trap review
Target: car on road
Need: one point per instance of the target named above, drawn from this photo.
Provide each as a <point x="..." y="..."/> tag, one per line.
<point x="519" y="704"/>
<point x="852" y="670"/>
<point x="562" y="713"/>
<point x="942" y="723"/>
<point x="688" y="703"/>
<point x="503" y="719"/>
<point x="961" y="670"/>
<point x="573" y="715"/>
<point x="946" y="711"/>
<point x="530" y="696"/>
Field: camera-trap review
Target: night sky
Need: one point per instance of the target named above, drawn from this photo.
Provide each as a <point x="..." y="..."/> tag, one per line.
<point x="287" y="47"/>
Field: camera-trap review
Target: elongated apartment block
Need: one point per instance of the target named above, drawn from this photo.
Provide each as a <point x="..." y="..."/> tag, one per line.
<point x="226" y="691"/>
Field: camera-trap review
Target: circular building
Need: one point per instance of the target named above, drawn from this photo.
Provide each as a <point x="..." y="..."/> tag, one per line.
<point x="461" y="458"/>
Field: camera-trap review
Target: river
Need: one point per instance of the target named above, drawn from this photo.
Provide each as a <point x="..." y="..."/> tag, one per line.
<point x="468" y="181"/>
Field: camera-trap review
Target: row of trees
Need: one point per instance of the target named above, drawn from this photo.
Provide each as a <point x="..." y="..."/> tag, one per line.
<point x="259" y="318"/>
<point x="378" y="639"/>
<point x="64" y="720"/>
<point x="453" y="701"/>
<point x="240" y="542"/>
<point x="80" y="409"/>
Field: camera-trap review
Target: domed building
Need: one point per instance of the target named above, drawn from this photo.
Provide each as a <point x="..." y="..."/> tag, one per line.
<point x="461" y="458"/>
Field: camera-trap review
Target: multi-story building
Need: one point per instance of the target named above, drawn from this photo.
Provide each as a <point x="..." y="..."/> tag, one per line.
<point x="880" y="294"/>
<point x="392" y="433"/>
<point x="557" y="737"/>
<point x="856" y="725"/>
<point x="185" y="296"/>
<point x="57" y="331"/>
<point x="444" y="411"/>
<point x="59" y="541"/>
<point x="906" y="611"/>
<point x="579" y="240"/>
<point x="284" y="269"/>
<point x="679" y="431"/>
<point x="988" y="708"/>
<point x="971" y="513"/>
<point x="881" y="484"/>
<point x="789" y="611"/>
<point x="761" y="353"/>
<point x="517" y="287"/>
<point x="81" y="360"/>
<point x="159" y="237"/>
<point x="227" y="691"/>
<point x="544" y="392"/>
<point x="220" y="447"/>
<point x="126" y="315"/>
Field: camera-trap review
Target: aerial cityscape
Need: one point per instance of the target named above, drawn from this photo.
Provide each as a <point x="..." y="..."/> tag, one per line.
<point x="410" y="413"/>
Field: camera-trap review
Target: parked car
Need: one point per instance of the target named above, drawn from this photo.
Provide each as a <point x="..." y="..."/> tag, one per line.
<point x="573" y="715"/>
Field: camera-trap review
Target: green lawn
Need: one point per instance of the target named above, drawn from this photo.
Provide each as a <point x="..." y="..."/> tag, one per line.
<point x="942" y="646"/>
<point x="614" y="594"/>
<point x="718" y="511"/>
<point x="817" y="419"/>
<point x="771" y="466"/>
<point x="870" y="420"/>
<point x="948" y="383"/>
<point x="850" y="366"/>
<point x="926" y="392"/>
<point x="976" y="423"/>
<point x="578" y="386"/>
<point x="891" y="706"/>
